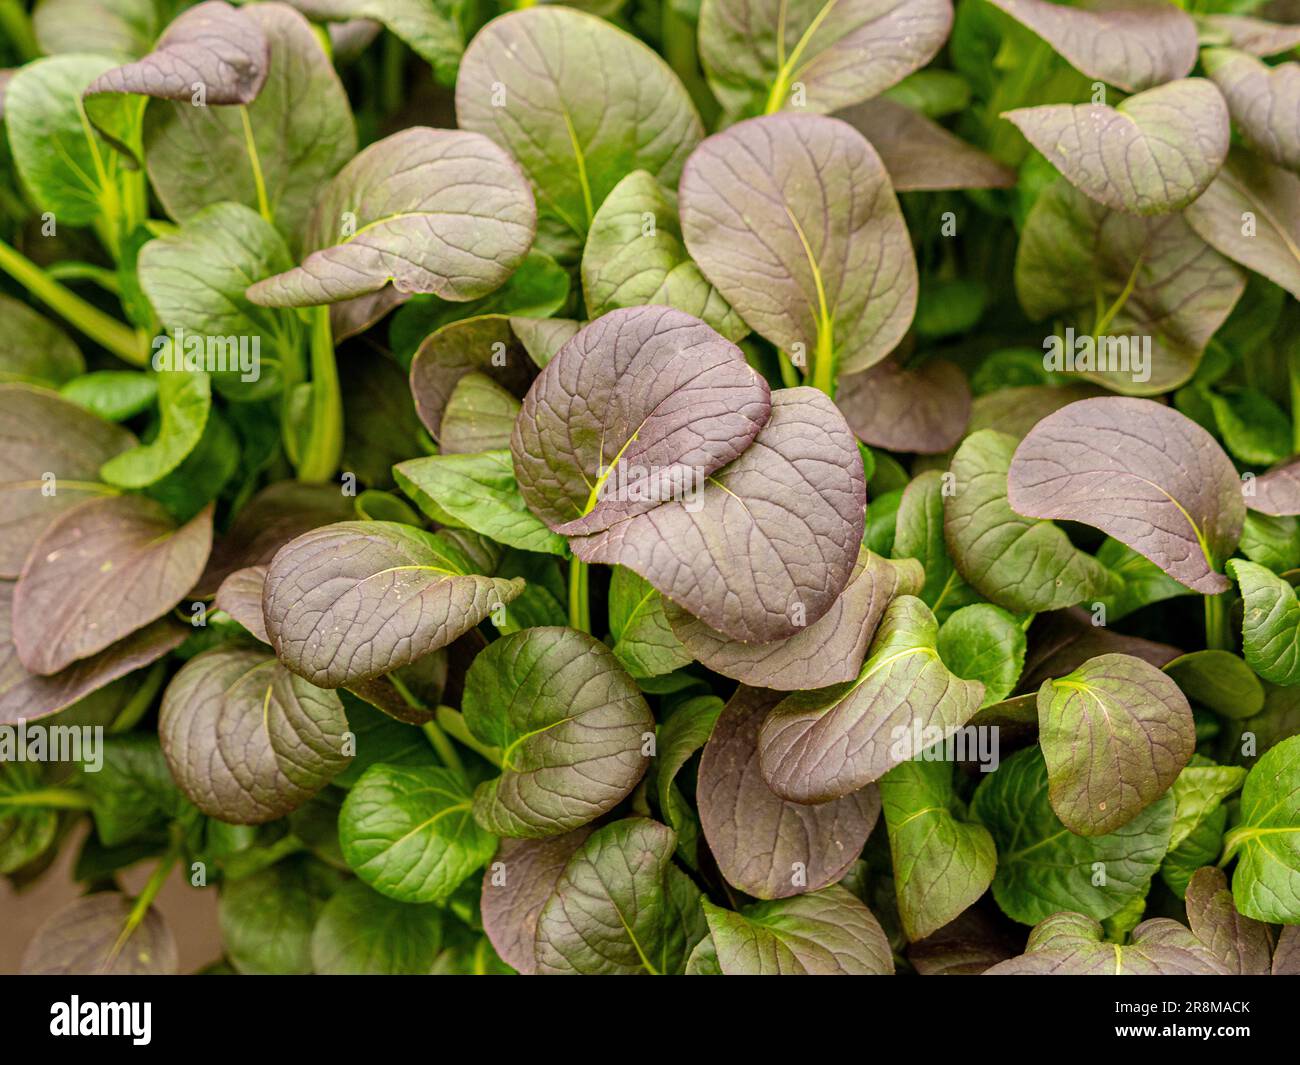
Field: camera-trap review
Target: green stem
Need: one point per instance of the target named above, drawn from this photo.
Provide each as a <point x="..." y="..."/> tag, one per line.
<point x="453" y="723"/>
<point x="579" y="605"/>
<point x="17" y="26"/>
<point x="324" y="448"/>
<point x="117" y="337"/>
<point x="446" y="750"/>
<point x="49" y="798"/>
<point x="823" y="367"/>
<point x="138" y="705"/>
<point x="1218" y="630"/>
<point x="789" y="375"/>
<point x="393" y="74"/>
<point x="146" y="897"/>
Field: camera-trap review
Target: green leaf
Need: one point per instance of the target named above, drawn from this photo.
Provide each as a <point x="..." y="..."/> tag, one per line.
<point x="115" y="395"/>
<point x="68" y="168"/>
<point x="431" y="28"/>
<point x="570" y="724"/>
<point x="1201" y="847"/>
<point x="272" y="155"/>
<point x="1266" y="841"/>
<point x="122" y="28"/>
<point x="644" y="642"/>
<point x="362" y="933"/>
<point x="1043" y="867"/>
<point x="133" y="792"/>
<point x="819" y="745"/>
<point x="267" y="918"/>
<point x="480" y="416"/>
<point x="408" y="832"/>
<point x="815" y="54"/>
<point x="1025" y="565"/>
<point x="379" y="738"/>
<point x="1198" y="792"/>
<point x="1115" y="734"/>
<point x="634" y="255"/>
<point x="1138" y="581"/>
<point x="26" y="832"/>
<point x="1220" y="681"/>
<point x="184" y="402"/>
<point x="1272" y="542"/>
<point x="984" y="643"/>
<point x="480" y="493"/>
<point x="1270" y="623"/>
<point x="196" y="278"/>
<point x="826" y="933"/>
<point x="1253" y="427"/>
<point x="942" y="862"/>
<point x="918" y="534"/>
<point x="621" y="906"/>
<point x="538" y="65"/>
<point x="686" y="731"/>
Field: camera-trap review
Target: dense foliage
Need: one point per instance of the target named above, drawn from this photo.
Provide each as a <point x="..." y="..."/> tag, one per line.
<point x="655" y="486"/>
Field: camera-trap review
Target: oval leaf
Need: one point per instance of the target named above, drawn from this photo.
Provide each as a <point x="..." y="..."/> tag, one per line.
<point x="99" y="572"/>
<point x="923" y="410"/>
<point x="84" y="938"/>
<point x="819" y="745"/>
<point x="47" y="443"/>
<point x="755" y="52"/>
<point x="355" y="600"/>
<point x="1133" y="45"/>
<point x="441" y="211"/>
<point x="1154" y="153"/>
<point x="943" y="863"/>
<point x="621" y="906"/>
<point x="1142" y="472"/>
<point x="829" y="933"/>
<point x="761" y="841"/>
<point x="793" y="219"/>
<point x="569" y="723"/>
<point x="247" y="740"/>
<point x="543" y="83"/>
<point x="361" y="933"/>
<point x="407" y="831"/>
<point x="636" y="410"/>
<point x="795" y="498"/>
<point x="1154" y="277"/>
<point x="1115" y="734"/>
<point x="1264" y="101"/>
<point x="516" y="886"/>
